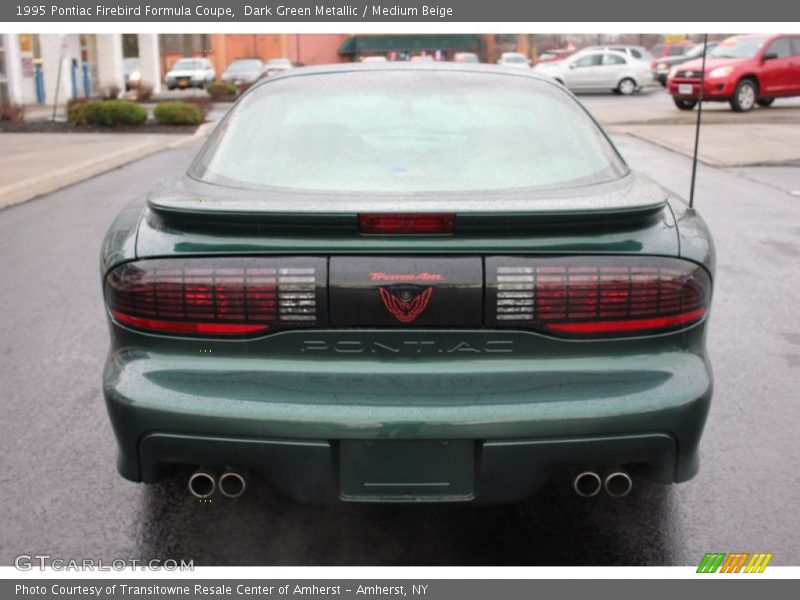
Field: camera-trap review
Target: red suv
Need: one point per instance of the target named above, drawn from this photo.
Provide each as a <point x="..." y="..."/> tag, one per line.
<point x="744" y="70"/>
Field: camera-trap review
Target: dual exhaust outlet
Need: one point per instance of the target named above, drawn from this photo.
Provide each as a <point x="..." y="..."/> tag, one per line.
<point x="203" y="483"/>
<point x="617" y="483"/>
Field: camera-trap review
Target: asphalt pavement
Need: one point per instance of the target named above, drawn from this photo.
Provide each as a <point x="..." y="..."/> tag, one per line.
<point x="61" y="495"/>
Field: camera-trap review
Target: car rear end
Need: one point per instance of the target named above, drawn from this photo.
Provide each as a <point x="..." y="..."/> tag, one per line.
<point x="409" y="345"/>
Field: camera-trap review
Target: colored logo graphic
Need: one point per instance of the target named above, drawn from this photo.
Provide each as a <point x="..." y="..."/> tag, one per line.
<point x="406" y="303"/>
<point x="735" y="562"/>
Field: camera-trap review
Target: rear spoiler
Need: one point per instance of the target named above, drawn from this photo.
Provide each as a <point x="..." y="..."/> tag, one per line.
<point x="186" y="204"/>
<point x="470" y="224"/>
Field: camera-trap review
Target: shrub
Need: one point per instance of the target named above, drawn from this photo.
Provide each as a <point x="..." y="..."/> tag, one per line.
<point x="110" y="92"/>
<point x="178" y="113"/>
<point x="111" y="113"/>
<point x="203" y="103"/>
<point x="243" y="87"/>
<point x="12" y="112"/>
<point x="220" y="90"/>
<point x="76" y="111"/>
<point x="143" y="92"/>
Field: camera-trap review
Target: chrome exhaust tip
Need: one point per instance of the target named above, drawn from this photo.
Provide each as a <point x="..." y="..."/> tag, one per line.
<point x="202" y="484"/>
<point x="232" y="484"/>
<point x="618" y="484"/>
<point x="587" y="484"/>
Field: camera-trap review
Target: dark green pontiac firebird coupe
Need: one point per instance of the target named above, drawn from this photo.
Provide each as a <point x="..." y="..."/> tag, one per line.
<point x="408" y="283"/>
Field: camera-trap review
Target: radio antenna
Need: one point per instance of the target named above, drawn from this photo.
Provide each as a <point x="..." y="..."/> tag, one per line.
<point x="699" y="116"/>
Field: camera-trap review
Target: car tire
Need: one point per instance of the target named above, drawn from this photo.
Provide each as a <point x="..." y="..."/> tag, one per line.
<point x="684" y="104"/>
<point x="765" y="102"/>
<point x="744" y="96"/>
<point x="627" y="86"/>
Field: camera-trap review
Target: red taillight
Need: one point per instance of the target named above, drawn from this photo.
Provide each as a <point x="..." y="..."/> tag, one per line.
<point x="407" y="223"/>
<point x="217" y="297"/>
<point x="597" y="296"/>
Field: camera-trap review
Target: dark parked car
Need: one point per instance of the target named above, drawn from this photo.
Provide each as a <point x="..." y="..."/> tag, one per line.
<point x="666" y="49"/>
<point x="743" y="70"/>
<point x="664" y="65"/>
<point x="390" y="283"/>
<point x="243" y="71"/>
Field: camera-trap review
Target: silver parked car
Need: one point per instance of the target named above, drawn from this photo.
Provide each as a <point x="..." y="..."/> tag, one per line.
<point x="243" y="70"/>
<point x="634" y="52"/>
<point x="600" y="70"/>
<point x="514" y="59"/>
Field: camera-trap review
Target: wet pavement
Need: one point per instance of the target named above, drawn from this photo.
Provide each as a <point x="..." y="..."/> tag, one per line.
<point x="61" y="494"/>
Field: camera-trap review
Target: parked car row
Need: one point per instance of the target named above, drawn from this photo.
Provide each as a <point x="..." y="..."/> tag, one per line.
<point x="744" y="70"/>
<point x="199" y="72"/>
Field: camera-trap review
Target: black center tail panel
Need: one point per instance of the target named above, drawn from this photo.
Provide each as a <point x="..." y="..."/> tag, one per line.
<point x="406" y="291"/>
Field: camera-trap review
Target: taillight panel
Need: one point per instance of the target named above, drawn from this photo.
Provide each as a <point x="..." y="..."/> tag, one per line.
<point x="219" y="296"/>
<point x="561" y="296"/>
<point x="595" y="296"/>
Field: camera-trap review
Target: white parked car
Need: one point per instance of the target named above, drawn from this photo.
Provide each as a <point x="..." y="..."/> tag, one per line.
<point x="191" y="72"/>
<point x="600" y="70"/>
<point x="634" y="52"/>
<point x="514" y="59"/>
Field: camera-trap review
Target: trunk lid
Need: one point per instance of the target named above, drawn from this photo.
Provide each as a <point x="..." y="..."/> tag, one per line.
<point x="630" y="215"/>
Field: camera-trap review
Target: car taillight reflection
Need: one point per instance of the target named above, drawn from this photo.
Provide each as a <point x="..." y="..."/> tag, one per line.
<point x="596" y="296"/>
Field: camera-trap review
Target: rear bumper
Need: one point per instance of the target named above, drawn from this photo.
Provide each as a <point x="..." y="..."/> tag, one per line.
<point x="525" y="416"/>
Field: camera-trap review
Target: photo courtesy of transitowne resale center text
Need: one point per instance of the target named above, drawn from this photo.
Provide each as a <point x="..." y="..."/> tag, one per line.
<point x="313" y="299"/>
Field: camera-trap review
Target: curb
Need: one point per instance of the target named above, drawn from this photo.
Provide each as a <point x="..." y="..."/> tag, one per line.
<point x="613" y="130"/>
<point x="22" y="191"/>
<point x="702" y="157"/>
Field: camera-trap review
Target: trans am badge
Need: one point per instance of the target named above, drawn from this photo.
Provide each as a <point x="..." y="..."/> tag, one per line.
<point x="406" y="302"/>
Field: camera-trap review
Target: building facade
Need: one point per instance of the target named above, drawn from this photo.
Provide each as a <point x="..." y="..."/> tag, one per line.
<point x="54" y="68"/>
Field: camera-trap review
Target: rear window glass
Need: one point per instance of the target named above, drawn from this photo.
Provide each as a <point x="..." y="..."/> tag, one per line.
<point x="407" y="131"/>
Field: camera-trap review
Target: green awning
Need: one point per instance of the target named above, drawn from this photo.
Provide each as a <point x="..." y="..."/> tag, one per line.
<point x="381" y="44"/>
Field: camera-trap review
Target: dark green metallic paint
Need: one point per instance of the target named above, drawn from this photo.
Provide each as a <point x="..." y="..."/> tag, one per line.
<point x="529" y="404"/>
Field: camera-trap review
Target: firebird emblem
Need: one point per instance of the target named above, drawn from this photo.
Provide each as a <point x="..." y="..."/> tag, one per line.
<point x="406" y="303"/>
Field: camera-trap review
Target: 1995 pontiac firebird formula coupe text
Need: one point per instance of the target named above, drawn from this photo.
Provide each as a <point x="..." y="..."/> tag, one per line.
<point x="412" y="283"/>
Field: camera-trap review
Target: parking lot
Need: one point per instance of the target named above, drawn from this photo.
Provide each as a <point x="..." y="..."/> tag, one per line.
<point x="62" y="496"/>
